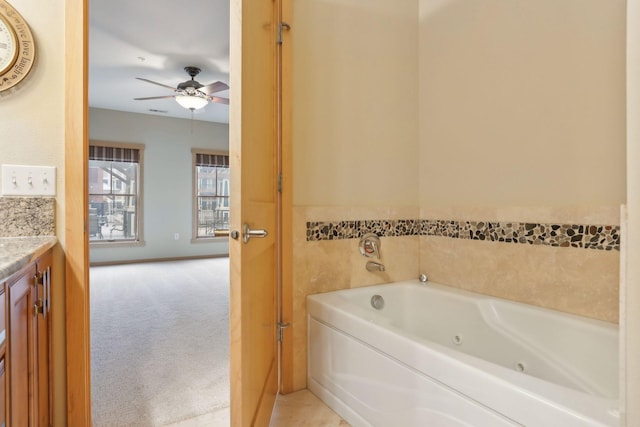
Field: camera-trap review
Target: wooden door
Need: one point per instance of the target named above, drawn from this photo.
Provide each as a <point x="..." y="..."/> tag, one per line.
<point x="253" y="163"/>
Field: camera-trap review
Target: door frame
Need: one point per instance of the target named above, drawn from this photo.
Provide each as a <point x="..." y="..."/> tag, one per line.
<point x="76" y="214"/>
<point x="78" y="363"/>
<point x="286" y="201"/>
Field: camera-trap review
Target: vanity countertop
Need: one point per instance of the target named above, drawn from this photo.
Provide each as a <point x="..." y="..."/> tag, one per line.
<point x="16" y="252"/>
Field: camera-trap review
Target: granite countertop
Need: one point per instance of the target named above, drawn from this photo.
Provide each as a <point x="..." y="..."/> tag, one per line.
<point x="16" y="252"/>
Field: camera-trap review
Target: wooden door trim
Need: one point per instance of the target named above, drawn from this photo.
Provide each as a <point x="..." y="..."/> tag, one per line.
<point x="287" y="345"/>
<point x="76" y="242"/>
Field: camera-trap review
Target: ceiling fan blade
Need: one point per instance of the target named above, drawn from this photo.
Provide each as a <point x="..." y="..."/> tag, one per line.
<point x="214" y="87"/>
<point x="219" y="100"/>
<point x="153" y="97"/>
<point x="156" y="83"/>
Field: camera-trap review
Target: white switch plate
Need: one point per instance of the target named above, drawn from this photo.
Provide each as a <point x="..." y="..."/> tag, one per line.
<point x="19" y="180"/>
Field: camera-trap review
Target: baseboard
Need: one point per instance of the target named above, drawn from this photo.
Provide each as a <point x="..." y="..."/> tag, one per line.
<point x="140" y="261"/>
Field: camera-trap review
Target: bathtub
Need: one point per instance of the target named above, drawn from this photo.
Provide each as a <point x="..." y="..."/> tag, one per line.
<point x="437" y="356"/>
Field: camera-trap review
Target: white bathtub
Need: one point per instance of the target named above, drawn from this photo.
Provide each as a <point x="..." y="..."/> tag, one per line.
<point x="437" y="356"/>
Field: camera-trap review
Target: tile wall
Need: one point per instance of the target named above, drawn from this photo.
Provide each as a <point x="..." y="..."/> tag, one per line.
<point x="565" y="259"/>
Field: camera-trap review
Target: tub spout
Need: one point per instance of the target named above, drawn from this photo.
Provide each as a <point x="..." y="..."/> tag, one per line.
<point x="374" y="266"/>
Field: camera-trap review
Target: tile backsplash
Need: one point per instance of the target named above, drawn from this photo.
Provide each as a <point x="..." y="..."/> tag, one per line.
<point x="27" y="216"/>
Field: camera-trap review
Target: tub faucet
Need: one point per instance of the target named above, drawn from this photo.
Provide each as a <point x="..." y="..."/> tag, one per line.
<point x="370" y="245"/>
<point x="374" y="266"/>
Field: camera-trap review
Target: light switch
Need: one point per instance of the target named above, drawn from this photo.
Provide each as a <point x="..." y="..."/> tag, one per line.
<point x="19" y="180"/>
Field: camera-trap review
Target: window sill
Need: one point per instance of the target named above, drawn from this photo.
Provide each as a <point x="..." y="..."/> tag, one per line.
<point x="115" y="243"/>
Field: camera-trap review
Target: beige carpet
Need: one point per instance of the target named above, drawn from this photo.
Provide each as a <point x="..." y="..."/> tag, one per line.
<point x="159" y="342"/>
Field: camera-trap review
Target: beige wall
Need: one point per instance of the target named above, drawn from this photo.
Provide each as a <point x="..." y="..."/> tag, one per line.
<point x="355" y="103"/>
<point x="522" y="103"/>
<point x="32" y="133"/>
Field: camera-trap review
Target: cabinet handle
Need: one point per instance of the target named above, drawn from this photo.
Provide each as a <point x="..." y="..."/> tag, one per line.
<point x="38" y="308"/>
<point x="38" y="278"/>
<point x="43" y="279"/>
<point x="48" y="290"/>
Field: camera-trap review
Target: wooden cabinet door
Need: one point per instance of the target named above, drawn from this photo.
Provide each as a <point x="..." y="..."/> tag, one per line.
<point x="3" y="350"/>
<point x="42" y="350"/>
<point x="21" y="344"/>
<point x="3" y="392"/>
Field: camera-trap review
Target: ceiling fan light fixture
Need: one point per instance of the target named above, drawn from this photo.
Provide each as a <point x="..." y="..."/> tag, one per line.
<point x="191" y="102"/>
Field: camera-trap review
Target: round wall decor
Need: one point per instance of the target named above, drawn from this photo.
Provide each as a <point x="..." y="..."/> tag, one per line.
<point x="17" y="47"/>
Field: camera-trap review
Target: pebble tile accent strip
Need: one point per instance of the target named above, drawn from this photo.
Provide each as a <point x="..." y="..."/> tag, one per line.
<point x="356" y="229"/>
<point x="27" y="216"/>
<point x="602" y="237"/>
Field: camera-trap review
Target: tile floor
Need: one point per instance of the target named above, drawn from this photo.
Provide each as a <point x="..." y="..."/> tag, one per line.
<point x="304" y="409"/>
<point x="299" y="409"/>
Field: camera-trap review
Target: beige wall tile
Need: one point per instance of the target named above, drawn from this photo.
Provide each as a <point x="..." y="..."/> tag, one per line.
<point x="573" y="280"/>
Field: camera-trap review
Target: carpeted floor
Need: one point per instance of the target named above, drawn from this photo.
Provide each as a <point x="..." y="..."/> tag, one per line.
<point x="159" y="342"/>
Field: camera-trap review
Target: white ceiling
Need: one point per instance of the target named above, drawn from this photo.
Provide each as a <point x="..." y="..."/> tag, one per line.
<point x="155" y="40"/>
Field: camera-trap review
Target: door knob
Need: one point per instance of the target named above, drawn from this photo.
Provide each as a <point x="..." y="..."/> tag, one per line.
<point x="248" y="233"/>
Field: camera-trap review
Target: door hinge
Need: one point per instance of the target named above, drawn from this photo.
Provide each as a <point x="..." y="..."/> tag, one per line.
<point x="282" y="26"/>
<point x="280" y="332"/>
<point x="279" y="184"/>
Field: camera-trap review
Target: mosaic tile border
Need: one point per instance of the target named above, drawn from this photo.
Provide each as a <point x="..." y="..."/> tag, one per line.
<point x="601" y="237"/>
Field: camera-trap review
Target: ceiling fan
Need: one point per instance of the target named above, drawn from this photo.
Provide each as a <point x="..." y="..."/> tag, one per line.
<point x="191" y="94"/>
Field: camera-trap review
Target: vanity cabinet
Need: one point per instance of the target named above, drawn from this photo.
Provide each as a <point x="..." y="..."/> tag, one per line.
<point x="27" y="352"/>
<point x="3" y="348"/>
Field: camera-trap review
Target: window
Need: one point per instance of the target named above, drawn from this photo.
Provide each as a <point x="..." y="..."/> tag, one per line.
<point x="115" y="207"/>
<point x="211" y="182"/>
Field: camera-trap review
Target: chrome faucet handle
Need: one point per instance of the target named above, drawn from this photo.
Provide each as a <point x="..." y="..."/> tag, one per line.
<point x="370" y="245"/>
<point x="423" y="278"/>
